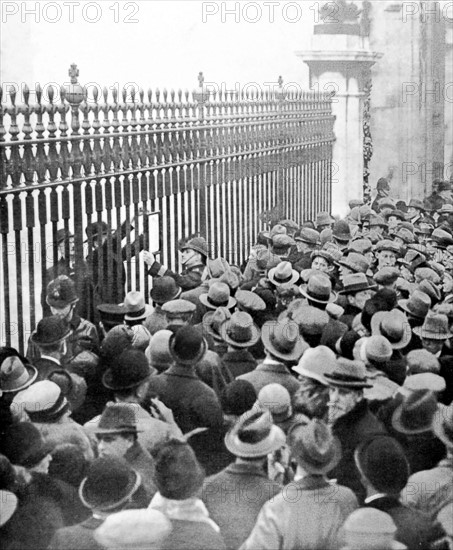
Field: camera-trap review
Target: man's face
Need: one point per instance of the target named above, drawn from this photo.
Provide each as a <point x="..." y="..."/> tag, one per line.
<point x="320" y="264"/>
<point x="386" y="258"/>
<point x="341" y="401"/>
<point x="62" y="249"/>
<point x="447" y="283"/>
<point x="358" y="300"/>
<point x="114" y="445"/>
<point x="189" y="257"/>
<point x="63" y="313"/>
<point x="433" y="346"/>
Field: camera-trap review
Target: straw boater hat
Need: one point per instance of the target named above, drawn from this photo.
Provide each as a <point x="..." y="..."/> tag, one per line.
<point x="254" y="435"/>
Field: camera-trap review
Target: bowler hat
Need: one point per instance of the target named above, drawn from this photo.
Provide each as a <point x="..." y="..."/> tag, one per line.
<point x="254" y="435"/>
<point x="282" y="340"/>
<point x="394" y="326"/>
<point x="416" y="413"/>
<point x="355" y="262"/>
<point x="135" y="306"/>
<point x="307" y="235"/>
<point x="314" y="446"/>
<point x="44" y="402"/>
<point x="23" y="444"/>
<point x="198" y="244"/>
<point x="249" y="301"/>
<point x="109" y="484"/>
<point x="50" y="331"/>
<point x="348" y="374"/>
<point x="341" y="231"/>
<point x="443" y="426"/>
<point x="356" y="282"/>
<point x="283" y="273"/>
<point x="383" y="463"/>
<point x="417" y="304"/>
<point x="164" y="289"/>
<point x="187" y="346"/>
<point x="318" y="289"/>
<point x="118" y="418"/>
<point x="15" y="375"/>
<point x="118" y="339"/>
<point x="217" y="296"/>
<point x="61" y="292"/>
<point x="178" y="474"/>
<point x="315" y="363"/>
<point x="134" y="530"/>
<point x="128" y="371"/>
<point x="435" y="327"/>
<point x="111" y="314"/>
<point x="240" y="331"/>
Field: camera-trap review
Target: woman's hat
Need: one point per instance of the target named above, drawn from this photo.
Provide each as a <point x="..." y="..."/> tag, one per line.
<point x="435" y="327"/>
<point x="416" y="413"/>
<point x="240" y="331"/>
<point x="314" y="446"/>
<point x="134" y="530"/>
<point x="178" y="474"/>
<point x="50" y="331"/>
<point x="417" y="304"/>
<point x="164" y="289"/>
<point x="348" y="374"/>
<point x="61" y="292"/>
<point x="318" y="289"/>
<point x="128" y="371"/>
<point x="394" y="326"/>
<point x="283" y="274"/>
<point x="282" y="340"/>
<point x="187" y="346"/>
<point x="254" y="435"/>
<point x="15" y="375"/>
<point x="136" y="309"/>
<point x="218" y="296"/>
<point x="315" y="363"/>
<point x="110" y="483"/>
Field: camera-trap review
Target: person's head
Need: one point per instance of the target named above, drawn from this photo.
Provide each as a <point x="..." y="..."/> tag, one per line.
<point x="320" y="263"/>
<point x="65" y="243"/>
<point x="115" y="445"/>
<point x="99" y="232"/>
<point x="23" y="445"/>
<point x="357" y="290"/>
<point x="50" y="336"/>
<point x="194" y="252"/>
<point x="447" y="283"/>
<point x="342" y="401"/>
<point x="117" y="430"/>
<point x="358" y="299"/>
<point x="385" y="258"/>
<point x="383" y="187"/>
<point x="432" y="345"/>
<point x="61" y="297"/>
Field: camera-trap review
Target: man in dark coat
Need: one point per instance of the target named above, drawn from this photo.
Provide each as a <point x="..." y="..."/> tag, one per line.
<point x="194" y="254"/>
<point x="384" y="471"/>
<point x="239" y="333"/>
<point x="194" y="403"/>
<point x="350" y="418"/>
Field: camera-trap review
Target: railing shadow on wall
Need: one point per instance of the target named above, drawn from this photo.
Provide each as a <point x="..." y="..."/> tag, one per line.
<point x="210" y="164"/>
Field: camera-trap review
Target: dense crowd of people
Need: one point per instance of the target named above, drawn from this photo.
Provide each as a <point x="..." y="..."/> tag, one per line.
<point x="302" y="400"/>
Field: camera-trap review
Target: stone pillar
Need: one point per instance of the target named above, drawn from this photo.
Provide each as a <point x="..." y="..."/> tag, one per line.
<point x="340" y="61"/>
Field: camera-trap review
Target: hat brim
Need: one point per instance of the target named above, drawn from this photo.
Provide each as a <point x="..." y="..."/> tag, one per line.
<point x="294" y="355"/>
<point x="353" y="268"/>
<point x="107" y="381"/>
<point x="345" y="291"/>
<point x="107" y="431"/>
<point x="44" y="344"/>
<point x="324" y="468"/>
<point x="376" y="330"/>
<point x="147" y="313"/>
<point x="204" y="300"/>
<point x="60" y="304"/>
<point x="438" y="427"/>
<point x="403" y="305"/>
<point x="294" y="277"/>
<point x="133" y="485"/>
<point x="337" y="383"/>
<point x="255" y="336"/>
<point x="431" y="335"/>
<point x="303" y="291"/>
<point x="274" y="441"/>
<point x="399" y="426"/>
<point x="169" y="299"/>
<point x="33" y="374"/>
<point x="309" y="374"/>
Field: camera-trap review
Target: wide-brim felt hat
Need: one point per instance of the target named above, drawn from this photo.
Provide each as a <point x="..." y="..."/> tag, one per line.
<point x="282" y="340"/>
<point x="239" y="334"/>
<point x="254" y="435"/>
<point x="443" y="425"/>
<point x="187" y="339"/>
<point x="128" y="371"/>
<point x="397" y="331"/>
<point x="416" y="413"/>
<point x="435" y="327"/>
<point x="291" y="275"/>
<point x="304" y="290"/>
<point x="164" y="290"/>
<point x="135" y="306"/>
<point x="417" y="305"/>
<point x="50" y="331"/>
<point x="15" y="375"/>
<point x="348" y="374"/>
<point x="207" y="301"/>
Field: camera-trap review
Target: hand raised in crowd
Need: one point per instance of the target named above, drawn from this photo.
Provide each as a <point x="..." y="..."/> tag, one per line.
<point x="149" y="258"/>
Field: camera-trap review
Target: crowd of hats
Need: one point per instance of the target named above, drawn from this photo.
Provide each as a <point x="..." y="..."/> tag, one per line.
<point x="295" y="303"/>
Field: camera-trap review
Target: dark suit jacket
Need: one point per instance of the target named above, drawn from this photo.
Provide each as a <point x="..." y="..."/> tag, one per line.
<point x="194" y="403"/>
<point x="190" y="278"/>
<point x="271" y="374"/>
<point x="234" y="498"/>
<point x="415" y="529"/>
<point x="239" y="362"/>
